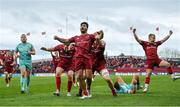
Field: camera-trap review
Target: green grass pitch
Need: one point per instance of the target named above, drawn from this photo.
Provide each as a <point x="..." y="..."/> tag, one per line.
<point x="163" y="92"/>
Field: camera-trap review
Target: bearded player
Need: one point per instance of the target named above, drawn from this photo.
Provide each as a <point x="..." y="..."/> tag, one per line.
<point x="24" y="52"/>
<point x="83" y="62"/>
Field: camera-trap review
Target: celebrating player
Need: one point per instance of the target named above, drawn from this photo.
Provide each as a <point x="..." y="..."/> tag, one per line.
<point x="99" y="64"/>
<point x="83" y="62"/>
<point x="150" y="47"/>
<point x="8" y="63"/>
<point x="55" y="60"/>
<point x="24" y="50"/>
<point x="66" y="53"/>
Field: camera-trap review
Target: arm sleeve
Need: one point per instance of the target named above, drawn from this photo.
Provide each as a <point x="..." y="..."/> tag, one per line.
<point x="142" y="43"/>
<point x="56" y="48"/>
<point x="72" y="39"/>
<point x="158" y="43"/>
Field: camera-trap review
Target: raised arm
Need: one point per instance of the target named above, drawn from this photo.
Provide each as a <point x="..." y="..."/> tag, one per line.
<point x="103" y="43"/>
<point x="47" y="49"/>
<point x="167" y="37"/>
<point x="65" y="41"/>
<point x="52" y="54"/>
<point x="136" y="37"/>
<point x="99" y="34"/>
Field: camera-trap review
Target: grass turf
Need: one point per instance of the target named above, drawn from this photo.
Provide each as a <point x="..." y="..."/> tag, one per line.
<point x="163" y="92"/>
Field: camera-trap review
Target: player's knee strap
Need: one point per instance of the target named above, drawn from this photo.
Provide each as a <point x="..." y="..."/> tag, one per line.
<point x="105" y="73"/>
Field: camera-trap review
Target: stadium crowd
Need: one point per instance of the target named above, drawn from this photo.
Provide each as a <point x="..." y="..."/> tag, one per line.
<point x="43" y="66"/>
<point x="113" y="62"/>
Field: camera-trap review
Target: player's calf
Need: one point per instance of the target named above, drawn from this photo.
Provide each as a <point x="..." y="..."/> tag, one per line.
<point x="105" y="75"/>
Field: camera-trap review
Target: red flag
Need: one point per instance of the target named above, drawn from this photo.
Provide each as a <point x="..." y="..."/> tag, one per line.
<point x="131" y="28"/>
<point x="28" y="34"/>
<point x="43" y="33"/>
<point x="157" y="29"/>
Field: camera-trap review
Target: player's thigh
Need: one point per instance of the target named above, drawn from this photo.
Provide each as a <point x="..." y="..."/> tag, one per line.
<point x="164" y="63"/>
<point x="6" y="74"/>
<point x="70" y="74"/>
<point x="136" y="77"/>
<point x="120" y="80"/>
<point x="22" y="69"/>
<point x="80" y="73"/>
<point x="149" y="70"/>
<point x="133" y="81"/>
<point x="29" y="67"/>
<point x="59" y="70"/>
<point x="10" y="75"/>
<point x="105" y="74"/>
<point x="27" y="73"/>
<point x="88" y="73"/>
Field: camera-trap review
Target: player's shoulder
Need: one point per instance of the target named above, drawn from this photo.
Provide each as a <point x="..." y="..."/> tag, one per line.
<point x="60" y="46"/>
<point x="29" y="43"/>
<point x="92" y="35"/>
<point x="20" y="44"/>
<point x="158" y="42"/>
<point x="76" y="37"/>
<point x="89" y="35"/>
<point x="144" y="42"/>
